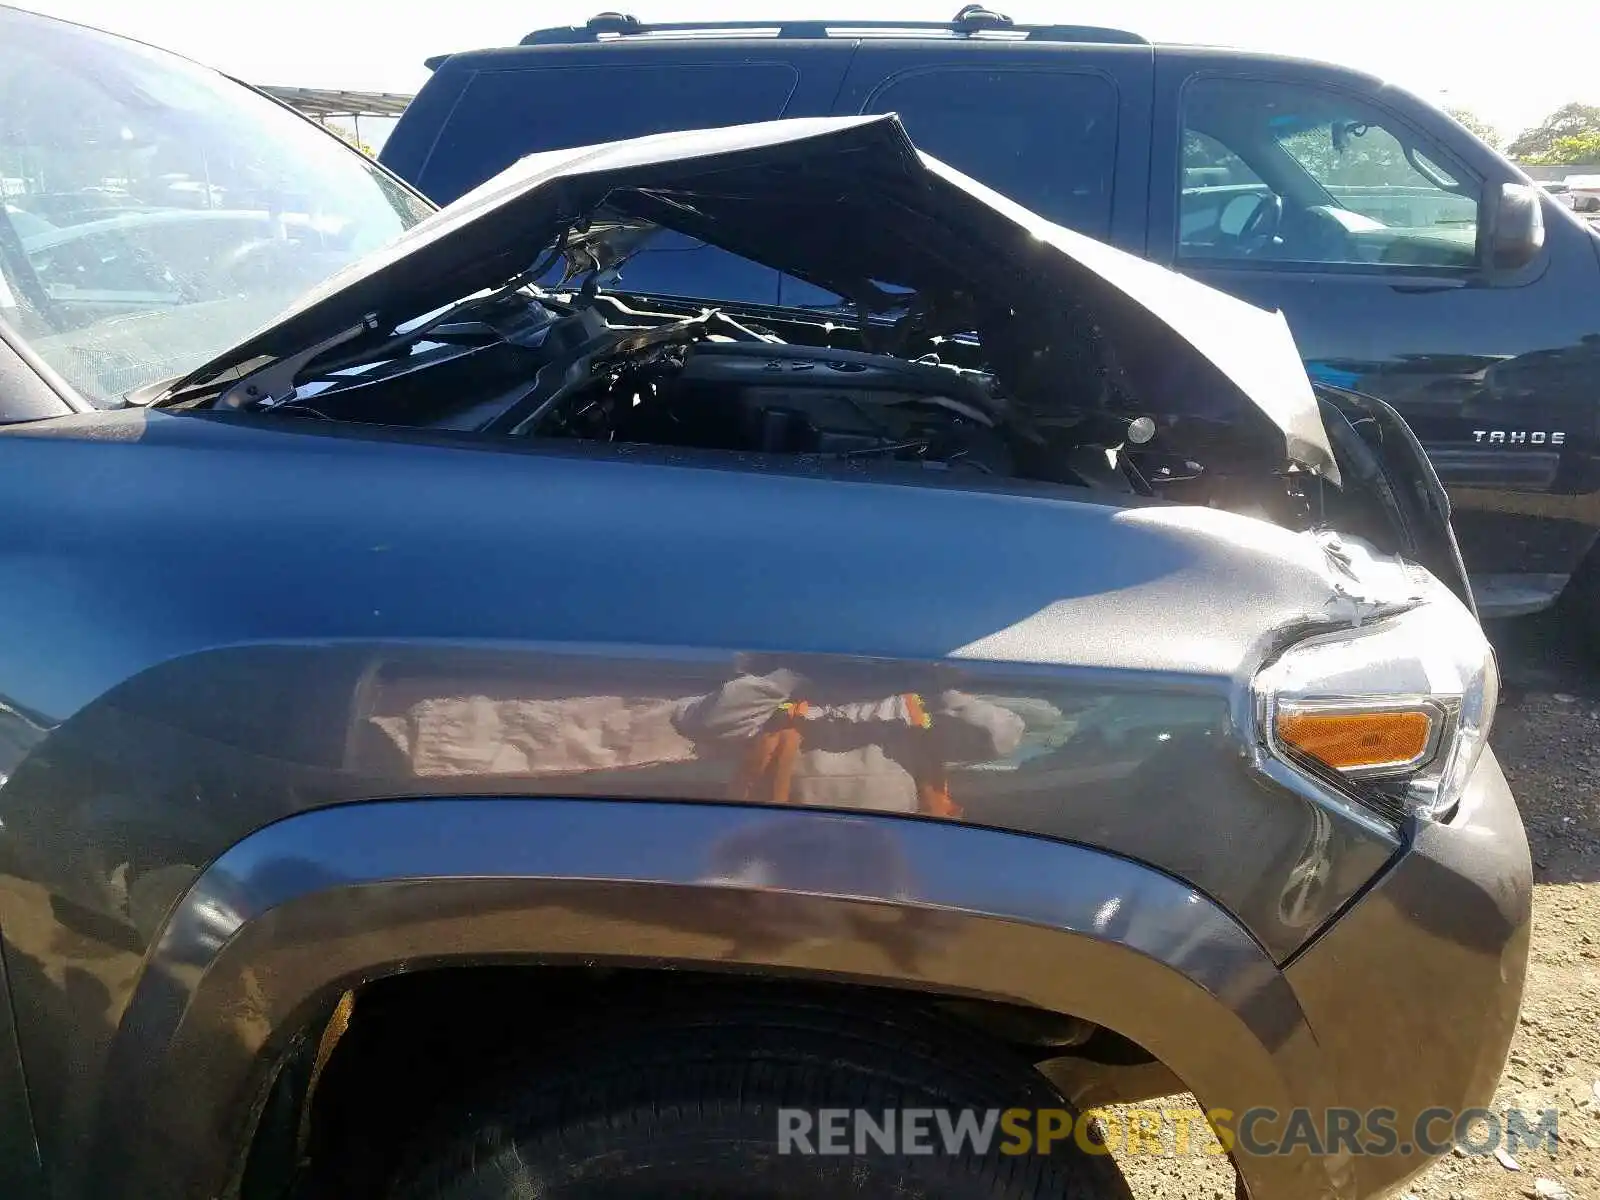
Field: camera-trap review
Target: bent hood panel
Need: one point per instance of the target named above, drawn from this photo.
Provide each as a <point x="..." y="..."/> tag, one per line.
<point x="845" y="203"/>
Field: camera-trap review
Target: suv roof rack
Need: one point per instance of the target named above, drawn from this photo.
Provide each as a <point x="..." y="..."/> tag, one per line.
<point x="973" y="21"/>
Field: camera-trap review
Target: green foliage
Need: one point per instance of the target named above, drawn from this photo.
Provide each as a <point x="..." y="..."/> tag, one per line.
<point x="1368" y="157"/>
<point x="1551" y="136"/>
<point x="1477" y="126"/>
<point x="1576" y="149"/>
<point x="351" y="138"/>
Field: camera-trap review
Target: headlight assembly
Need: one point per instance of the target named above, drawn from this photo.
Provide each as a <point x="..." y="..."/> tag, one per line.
<point x="1398" y="709"/>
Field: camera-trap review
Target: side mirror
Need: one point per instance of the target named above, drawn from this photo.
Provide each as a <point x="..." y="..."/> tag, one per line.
<point x="1517" y="231"/>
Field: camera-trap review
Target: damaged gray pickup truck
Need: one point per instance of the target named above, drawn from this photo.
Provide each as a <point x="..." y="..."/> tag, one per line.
<point x="469" y="730"/>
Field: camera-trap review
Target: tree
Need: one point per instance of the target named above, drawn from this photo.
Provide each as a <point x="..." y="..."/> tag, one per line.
<point x="1363" y="156"/>
<point x="1569" y="121"/>
<point x="351" y="138"/>
<point x="1477" y="126"/>
<point x="1577" y="149"/>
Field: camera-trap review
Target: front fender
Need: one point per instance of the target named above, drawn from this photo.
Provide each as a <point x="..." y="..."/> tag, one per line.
<point x="298" y="911"/>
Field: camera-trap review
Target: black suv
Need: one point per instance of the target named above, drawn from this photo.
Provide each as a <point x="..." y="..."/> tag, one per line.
<point x="1367" y="216"/>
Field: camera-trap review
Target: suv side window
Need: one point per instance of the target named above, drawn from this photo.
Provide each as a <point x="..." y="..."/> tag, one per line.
<point x="1218" y="191"/>
<point x="552" y="108"/>
<point x="505" y="114"/>
<point x="1286" y="173"/>
<point x="1046" y="139"/>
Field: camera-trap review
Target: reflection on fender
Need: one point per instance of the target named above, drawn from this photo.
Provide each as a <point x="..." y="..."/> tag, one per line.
<point x="1143" y="768"/>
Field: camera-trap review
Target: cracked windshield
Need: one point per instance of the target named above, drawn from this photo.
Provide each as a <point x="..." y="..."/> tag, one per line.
<point x="155" y="213"/>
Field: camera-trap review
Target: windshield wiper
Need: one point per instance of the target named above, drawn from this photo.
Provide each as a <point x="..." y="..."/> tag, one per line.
<point x="275" y="382"/>
<point x="147" y="393"/>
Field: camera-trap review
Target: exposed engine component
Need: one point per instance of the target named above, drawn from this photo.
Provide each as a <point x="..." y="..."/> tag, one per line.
<point x="610" y="368"/>
<point x="775" y="398"/>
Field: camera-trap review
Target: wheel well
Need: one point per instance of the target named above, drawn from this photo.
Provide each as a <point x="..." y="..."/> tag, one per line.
<point x="377" y="1064"/>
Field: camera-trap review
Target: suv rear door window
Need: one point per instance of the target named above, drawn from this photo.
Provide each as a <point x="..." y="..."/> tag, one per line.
<point x="1046" y="139"/>
<point x="1280" y="172"/>
<point x="504" y="115"/>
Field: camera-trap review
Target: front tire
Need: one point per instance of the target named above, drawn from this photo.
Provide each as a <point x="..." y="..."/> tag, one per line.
<point x="686" y="1105"/>
<point x="1578" y="607"/>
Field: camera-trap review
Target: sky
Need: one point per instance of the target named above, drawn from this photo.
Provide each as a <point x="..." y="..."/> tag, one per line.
<point x="1510" y="71"/>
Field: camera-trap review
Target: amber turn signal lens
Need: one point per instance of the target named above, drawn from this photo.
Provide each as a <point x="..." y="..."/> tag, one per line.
<point x="1353" y="741"/>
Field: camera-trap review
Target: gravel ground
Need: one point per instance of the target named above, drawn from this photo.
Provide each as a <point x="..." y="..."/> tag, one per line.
<point x="1548" y="739"/>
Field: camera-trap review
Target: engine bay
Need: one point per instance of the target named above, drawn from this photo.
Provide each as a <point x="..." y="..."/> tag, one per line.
<point x="970" y="343"/>
<point x="913" y="393"/>
<point x="775" y="398"/>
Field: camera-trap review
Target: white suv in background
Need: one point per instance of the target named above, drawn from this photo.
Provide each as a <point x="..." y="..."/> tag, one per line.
<point x="1583" y="193"/>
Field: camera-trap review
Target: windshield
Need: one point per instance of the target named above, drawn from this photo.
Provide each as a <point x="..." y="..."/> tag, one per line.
<point x="155" y="213"/>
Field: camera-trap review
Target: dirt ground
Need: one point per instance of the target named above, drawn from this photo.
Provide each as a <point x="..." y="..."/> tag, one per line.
<point x="1548" y="739"/>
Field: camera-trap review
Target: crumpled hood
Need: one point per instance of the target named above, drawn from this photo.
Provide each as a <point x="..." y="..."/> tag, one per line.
<point x="845" y="203"/>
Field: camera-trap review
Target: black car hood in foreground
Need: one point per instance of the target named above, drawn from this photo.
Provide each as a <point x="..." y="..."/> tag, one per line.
<point x="847" y="204"/>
